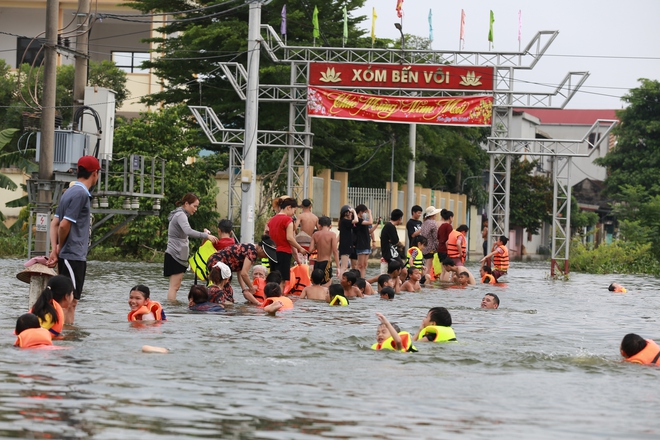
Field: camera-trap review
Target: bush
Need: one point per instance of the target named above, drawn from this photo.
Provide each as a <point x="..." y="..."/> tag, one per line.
<point x="13" y="246"/>
<point x="618" y="257"/>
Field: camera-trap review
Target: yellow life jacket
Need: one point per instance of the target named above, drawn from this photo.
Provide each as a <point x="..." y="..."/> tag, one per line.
<point x="418" y="261"/>
<point x="199" y="259"/>
<point x="265" y="262"/>
<point x="438" y="333"/>
<point x="388" y="344"/>
<point x="339" y="300"/>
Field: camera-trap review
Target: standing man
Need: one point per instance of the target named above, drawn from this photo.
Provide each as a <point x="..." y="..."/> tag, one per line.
<point x="70" y="230"/>
<point x="389" y="240"/>
<point x="308" y="222"/>
<point x="414" y="225"/>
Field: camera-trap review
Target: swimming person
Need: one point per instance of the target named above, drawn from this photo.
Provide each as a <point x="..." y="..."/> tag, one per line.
<point x="219" y="276"/>
<point x="490" y="301"/>
<point x="487" y="275"/>
<point x="275" y="300"/>
<point x="142" y="307"/>
<point x="30" y="334"/>
<point x="316" y="291"/>
<point x="451" y="272"/>
<point x="412" y="284"/>
<point x="348" y="280"/>
<point x="387" y="293"/>
<point x="617" y="288"/>
<point x="390" y="337"/>
<point x="636" y="349"/>
<point x="336" y="295"/>
<point x="53" y="301"/>
<point x="198" y="300"/>
<point x="436" y="326"/>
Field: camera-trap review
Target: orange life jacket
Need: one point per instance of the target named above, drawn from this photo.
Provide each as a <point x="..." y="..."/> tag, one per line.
<point x="259" y="294"/>
<point x="34" y="337"/>
<point x="151" y="307"/>
<point x="286" y="302"/>
<point x="452" y="245"/>
<point x="298" y="280"/>
<point x="488" y="279"/>
<point x="54" y="327"/>
<point x="501" y="261"/>
<point x="649" y="355"/>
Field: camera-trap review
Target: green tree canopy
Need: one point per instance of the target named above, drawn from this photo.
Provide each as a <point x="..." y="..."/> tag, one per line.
<point x="530" y="198"/>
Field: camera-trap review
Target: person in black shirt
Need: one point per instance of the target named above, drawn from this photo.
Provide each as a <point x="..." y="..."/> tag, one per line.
<point x="390" y="246"/>
<point x="414" y="224"/>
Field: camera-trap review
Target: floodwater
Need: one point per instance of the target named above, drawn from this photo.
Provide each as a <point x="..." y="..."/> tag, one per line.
<point x="545" y="365"/>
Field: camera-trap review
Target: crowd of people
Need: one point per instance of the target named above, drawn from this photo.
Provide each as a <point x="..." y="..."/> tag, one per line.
<point x="264" y="270"/>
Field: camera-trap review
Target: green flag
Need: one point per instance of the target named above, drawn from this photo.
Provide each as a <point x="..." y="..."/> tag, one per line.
<point x="345" y="39"/>
<point x="315" y="22"/>
<point x="490" y="30"/>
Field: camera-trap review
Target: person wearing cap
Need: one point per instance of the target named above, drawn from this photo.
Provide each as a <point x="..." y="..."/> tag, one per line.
<point x="240" y="258"/>
<point x="430" y="232"/>
<point x="70" y="230"/>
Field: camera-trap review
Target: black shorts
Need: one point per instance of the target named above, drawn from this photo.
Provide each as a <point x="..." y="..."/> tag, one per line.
<point x="75" y="270"/>
<point x="428" y="256"/>
<point x="326" y="268"/>
<point x="283" y="265"/>
<point x="172" y="267"/>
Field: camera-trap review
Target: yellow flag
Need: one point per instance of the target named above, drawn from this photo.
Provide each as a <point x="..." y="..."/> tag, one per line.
<point x="373" y="26"/>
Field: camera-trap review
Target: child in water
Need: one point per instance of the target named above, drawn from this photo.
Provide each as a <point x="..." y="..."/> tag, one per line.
<point x="436" y="327"/>
<point x="390" y="337"/>
<point x="336" y="295"/>
<point x="143" y="308"/>
<point x="198" y="300"/>
<point x="412" y="284"/>
<point x="636" y="349"/>
<point x="274" y="299"/>
<point x="316" y="291"/>
<point x="220" y="290"/>
<point x="30" y="334"/>
<point x="53" y="301"/>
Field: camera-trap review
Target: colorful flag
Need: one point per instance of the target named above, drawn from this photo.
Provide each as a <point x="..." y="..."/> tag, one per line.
<point x="431" y="25"/>
<point x="490" y="29"/>
<point x="462" y="36"/>
<point x="345" y="39"/>
<point x="315" y="22"/>
<point x="283" y="25"/>
<point x="399" y="8"/>
<point x="519" y="25"/>
<point x="373" y="26"/>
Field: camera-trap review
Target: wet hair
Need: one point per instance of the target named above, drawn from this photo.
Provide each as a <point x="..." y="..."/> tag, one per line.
<point x="287" y="202"/>
<point x="307" y="203"/>
<point x="464" y="274"/>
<point x="272" y="290"/>
<point x="396" y="214"/>
<point x="448" y="262"/>
<point x="393" y="266"/>
<point x="350" y="277"/>
<point x="462" y="228"/>
<point x="189" y="198"/>
<point x="420" y="239"/>
<point x="225" y="225"/>
<point x="198" y="293"/>
<point x="495" y="298"/>
<point x="446" y="215"/>
<point x="325" y="221"/>
<point x="488" y="270"/>
<point x="215" y="275"/>
<point x="382" y="279"/>
<point x="274" y="277"/>
<point x="361" y="283"/>
<point x="440" y="316"/>
<point x="387" y="291"/>
<point x="361" y="208"/>
<point x="416" y="208"/>
<point x="611" y="288"/>
<point x="144" y="290"/>
<point x="317" y="276"/>
<point x="335" y="289"/>
<point x="413" y="268"/>
<point x="631" y="344"/>
<point x="503" y="239"/>
<point x="58" y="288"/>
<point x="26" y="321"/>
<point x="394" y="325"/>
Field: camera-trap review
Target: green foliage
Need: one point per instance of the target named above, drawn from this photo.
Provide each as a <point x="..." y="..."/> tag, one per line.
<point x="638" y="213"/>
<point x="530" y="198"/>
<point x="618" y="257"/>
<point x="581" y="219"/>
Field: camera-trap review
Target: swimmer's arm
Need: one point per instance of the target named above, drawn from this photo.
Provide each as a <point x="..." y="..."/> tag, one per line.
<point x="357" y="292"/>
<point x="395" y="336"/>
<point x="274" y="307"/>
<point x="471" y="279"/>
<point x="303" y="294"/>
<point x="247" y="294"/>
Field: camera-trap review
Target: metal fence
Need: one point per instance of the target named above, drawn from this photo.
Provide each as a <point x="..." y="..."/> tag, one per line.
<point x="377" y="199"/>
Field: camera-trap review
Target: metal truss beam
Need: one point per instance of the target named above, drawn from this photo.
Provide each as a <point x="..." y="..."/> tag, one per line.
<point x="561" y="214"/>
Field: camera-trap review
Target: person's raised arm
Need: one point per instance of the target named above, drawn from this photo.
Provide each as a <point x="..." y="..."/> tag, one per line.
<point x="395" y="336"/>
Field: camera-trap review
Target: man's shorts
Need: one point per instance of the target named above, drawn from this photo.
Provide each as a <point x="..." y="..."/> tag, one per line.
<point x="498" y="273"/>
<point x="326" y="268"/>
<point x="75" y="270"/>
<point x="458" y="262"/>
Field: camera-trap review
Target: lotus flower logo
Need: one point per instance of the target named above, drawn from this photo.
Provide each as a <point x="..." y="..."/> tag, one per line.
<point x="470" y="79"/>
<point x="329" y="76"/>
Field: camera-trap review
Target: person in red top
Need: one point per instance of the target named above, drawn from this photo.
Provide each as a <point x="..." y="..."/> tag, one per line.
<point x="225" y="239"/>
<point x="444" y="230"/>
<point x="280" y="229"/>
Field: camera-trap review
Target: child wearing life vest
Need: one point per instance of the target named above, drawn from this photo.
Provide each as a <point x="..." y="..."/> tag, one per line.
<point x="30" y="334"/>
<point x="274" y="299"/>
<point x="487" y="275"/>
<point x="436" y="327"/>
<point x="336" y="295"/>
<point x="143" y="308"/>
<point x="50" y="306"/>
<point x="198" y="300"/>
<point x="390" y="337"/>
<point x="638" y="350"/>
<point x="617" y="288"/>
<point x="316" y="291"/>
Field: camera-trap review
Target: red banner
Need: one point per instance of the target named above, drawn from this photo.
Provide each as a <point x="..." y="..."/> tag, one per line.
<point x="401" y="76"/>
<point x="455" y="110"/>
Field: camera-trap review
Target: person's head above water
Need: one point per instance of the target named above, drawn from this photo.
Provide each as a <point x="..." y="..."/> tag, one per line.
<point x="632" y="344"/>
<point x="490" y="301"/>
<point x="617" y="288"/>
<point x="437" y="316"/>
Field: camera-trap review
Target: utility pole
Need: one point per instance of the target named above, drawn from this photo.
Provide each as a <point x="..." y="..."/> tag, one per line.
<point x="410" y="184"/>
<point x="82" y="51"/>
<point x="50" y="85"/>
<point x="249" y="174"/>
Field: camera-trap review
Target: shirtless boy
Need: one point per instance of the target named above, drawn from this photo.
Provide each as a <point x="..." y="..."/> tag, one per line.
<point x="307" y="222"/>
<point x="324" y="241"/>
<point x="451" y="272"/>
<point x="412" y="284"/>
<point x="316" y="291"/>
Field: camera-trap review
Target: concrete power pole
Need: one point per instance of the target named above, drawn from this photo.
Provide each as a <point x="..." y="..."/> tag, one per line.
<point x="82" y="51"/>
<point x="410" y="184"/>
<point x="50" y="85"/>
<point x="249" y="174"/>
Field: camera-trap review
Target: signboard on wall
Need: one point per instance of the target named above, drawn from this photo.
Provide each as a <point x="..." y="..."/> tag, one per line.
<point x="472" y="111"/>
<point x="401" y="76"/>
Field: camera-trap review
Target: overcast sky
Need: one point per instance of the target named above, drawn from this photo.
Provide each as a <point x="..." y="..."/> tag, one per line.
<point x="616" y="41"/>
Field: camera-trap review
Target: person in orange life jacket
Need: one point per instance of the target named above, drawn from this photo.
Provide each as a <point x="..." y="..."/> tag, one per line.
<point x="636" y="349"/>
<point x="490" y="301"/>
<point x="617" y="288"/>
<point x="500" y="256"/>
<point x="451" y="272"/>
<point x="457" y="245"/>
<point x="412" y="284"/>
<point x="259" y="274"/>
<point x="316" y="291"/>
<point x="198" y="300"/>
<point x="274" y="299"/>
<point x="436" y="317"/>
<point x="50" y="306"/>
<point x="348" y="280"/>
<point x="219" y="276"/>
<point x="386" y="330"/>
<point x="487" y="275"/>
<point x="30" y="334"/>
<point x="143" y="308"/>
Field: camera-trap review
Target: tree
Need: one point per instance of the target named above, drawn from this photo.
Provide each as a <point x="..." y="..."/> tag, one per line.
<point x="635" y="160"/>
<point x="530" y="197"/>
